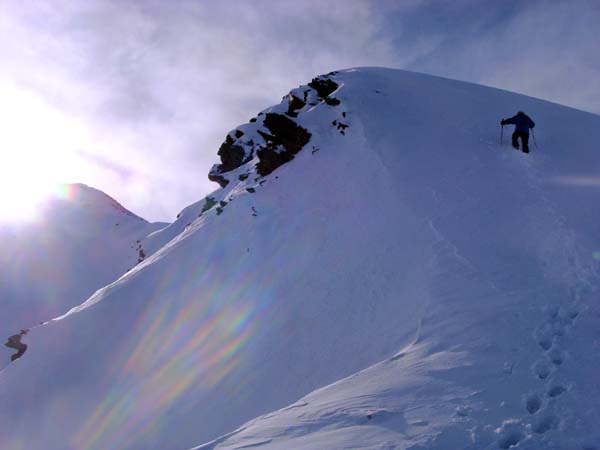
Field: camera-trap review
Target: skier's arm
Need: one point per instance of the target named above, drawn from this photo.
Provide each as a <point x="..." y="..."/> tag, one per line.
<point x="531" y="123"/>
<point x="510" y="121"/>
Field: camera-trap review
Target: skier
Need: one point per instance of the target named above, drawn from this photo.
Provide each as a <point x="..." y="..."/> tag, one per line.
<point x="15" y="342"/>
<point x="522" y="123"/>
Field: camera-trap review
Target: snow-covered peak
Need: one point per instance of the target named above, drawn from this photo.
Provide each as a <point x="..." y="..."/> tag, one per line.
<point x="85" y="199"/>
<point x="415" y="283"/>
<point x="81" y="240"/>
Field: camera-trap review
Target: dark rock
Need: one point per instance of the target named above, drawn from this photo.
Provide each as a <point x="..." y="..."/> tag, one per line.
<point x="323" y="86"/>
<point x="223" y="204"/>
<point x="332" y="101"/>
<point x="294" y="104"/>
<point x="271" y="160"/>
<point x="14" y="342"/>
<point x="286" y="132"/>
<point x="141" y="255"/>
<point x="286" y="139"/>
<point x="251" y="190"/>
<point x="232" y="155"/>
<point x="209" y="202"/>
<point x="243" y="176"/>
<point x="340" y="126"/>
<point x="252" y="120"/>
<point x="214" y="175"/>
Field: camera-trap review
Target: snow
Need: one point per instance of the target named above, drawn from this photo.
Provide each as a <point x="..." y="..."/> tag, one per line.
<point x="407" y="284"/>
<point x="82" y="241"/>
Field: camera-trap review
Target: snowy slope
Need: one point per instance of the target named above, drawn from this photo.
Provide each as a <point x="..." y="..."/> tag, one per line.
<point x="505" y="354"/>
<point x="81" y="241"/>
<point x="401" y="239"/>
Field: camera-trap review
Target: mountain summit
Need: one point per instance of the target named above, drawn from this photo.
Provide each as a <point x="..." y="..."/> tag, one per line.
<point x="80" y="196"/>
<point x="82" y="240"/>
<point x="376" y="267"/>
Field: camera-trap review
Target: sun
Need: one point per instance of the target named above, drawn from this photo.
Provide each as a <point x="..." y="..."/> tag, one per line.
<point x="21" y="202"/>
<point x="37" y="151"/>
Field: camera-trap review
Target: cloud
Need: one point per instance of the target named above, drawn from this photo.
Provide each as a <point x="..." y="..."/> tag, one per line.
<point x="157" y="85"/>
<point x="160" y="84"/>
<point x="554" y="54"/>
<point x="539" y="48"/>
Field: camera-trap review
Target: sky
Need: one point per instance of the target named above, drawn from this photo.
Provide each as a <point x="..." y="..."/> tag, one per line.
<point x="135" y="97"/>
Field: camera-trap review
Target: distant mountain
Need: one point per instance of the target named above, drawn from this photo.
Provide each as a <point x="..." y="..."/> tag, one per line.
<point x="82" y="240"/>
<point x="375" y="267"/>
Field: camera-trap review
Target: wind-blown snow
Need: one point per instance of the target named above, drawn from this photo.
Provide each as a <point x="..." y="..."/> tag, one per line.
<point x="446" y="285"/>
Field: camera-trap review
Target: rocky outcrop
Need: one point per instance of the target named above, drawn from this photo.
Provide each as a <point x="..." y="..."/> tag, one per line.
<point x="286" y="138"/>
<point x="14" y="342"/>
<point x="216" y="176"/>
<point x="325" y="86"/>
<point x="141" y="252"/>
<point x="232" y="155"/>
<point x="274" y="137"/>
<point x="294" y="104"/>
<point x="209" y="202"/>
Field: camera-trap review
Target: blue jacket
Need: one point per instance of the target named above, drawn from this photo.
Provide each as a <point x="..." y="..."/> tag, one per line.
<point x="521" y="121"/>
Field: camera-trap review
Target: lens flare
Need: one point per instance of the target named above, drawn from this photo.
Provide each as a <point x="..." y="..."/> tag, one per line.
<point x="174" y="354"/>
<point x="37" y="147"/>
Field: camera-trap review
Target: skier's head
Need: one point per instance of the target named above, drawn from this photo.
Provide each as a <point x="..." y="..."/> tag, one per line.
<point x="520" y="113"/>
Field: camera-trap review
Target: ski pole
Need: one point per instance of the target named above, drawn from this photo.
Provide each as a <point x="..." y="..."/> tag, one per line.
<point x="501" y="133"/>
<point x="533" y="134"/>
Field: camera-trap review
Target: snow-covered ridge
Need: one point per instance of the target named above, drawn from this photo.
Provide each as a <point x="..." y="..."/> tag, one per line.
<point x="252" y="151"/>
<point x="93" y="200"/>
<point x="415" y="284"/>
<point x="275" y="136"/>
<point x="433" y="394"/>
<point x="81" y="240"/>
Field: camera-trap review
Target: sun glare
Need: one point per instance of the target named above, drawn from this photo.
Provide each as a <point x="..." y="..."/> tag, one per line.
<point x="37" y="151"/>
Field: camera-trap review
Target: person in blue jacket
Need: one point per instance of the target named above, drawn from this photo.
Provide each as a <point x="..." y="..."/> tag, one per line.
<point x="522" y="123"/>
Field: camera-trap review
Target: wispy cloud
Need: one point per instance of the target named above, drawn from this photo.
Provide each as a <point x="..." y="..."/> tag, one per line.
<point x="157" y="85"/>
<point x="160" y="84"/>
<point x="577" y="181"/>
<point x="546" y="49"/>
